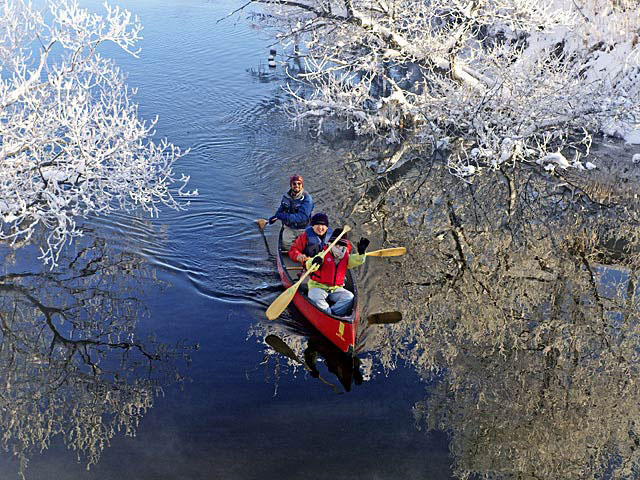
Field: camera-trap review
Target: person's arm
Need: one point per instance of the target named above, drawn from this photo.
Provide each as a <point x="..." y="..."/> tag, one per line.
<point x="297" y="248"/>
<point x="303" y="213"/>
<point x="279" y="215"/>
<point x="357" y="259"/>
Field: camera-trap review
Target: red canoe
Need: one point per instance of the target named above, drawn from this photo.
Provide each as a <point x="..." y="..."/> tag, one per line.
<point x="341" y="331"/>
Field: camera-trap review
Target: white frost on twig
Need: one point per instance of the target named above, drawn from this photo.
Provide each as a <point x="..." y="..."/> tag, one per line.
<point x="72" y="142"/>
<point x="515" y="80"/>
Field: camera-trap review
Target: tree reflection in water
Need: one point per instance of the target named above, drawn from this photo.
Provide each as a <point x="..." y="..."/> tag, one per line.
<point x="520" y="298"/>
<point x="72" y="364"/>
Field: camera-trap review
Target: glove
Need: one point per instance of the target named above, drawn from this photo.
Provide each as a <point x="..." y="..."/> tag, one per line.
<point x="272" y="220"/>
<point x="362" y="245"/>
<point x="317" y="261"/>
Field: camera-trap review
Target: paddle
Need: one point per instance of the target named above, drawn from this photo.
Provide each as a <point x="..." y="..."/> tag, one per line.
<point x="387" y="252"/>
<point x="262" y="223"/>
<point x="284" y="299"/>
<point x="384" y="317"/>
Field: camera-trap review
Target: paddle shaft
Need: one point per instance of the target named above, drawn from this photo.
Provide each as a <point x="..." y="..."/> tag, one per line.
<point x="284" y="299"/>
<point x="385" y="252"/>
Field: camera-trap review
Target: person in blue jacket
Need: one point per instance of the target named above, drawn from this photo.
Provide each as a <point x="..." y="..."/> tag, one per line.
<point x="294" y="211"/>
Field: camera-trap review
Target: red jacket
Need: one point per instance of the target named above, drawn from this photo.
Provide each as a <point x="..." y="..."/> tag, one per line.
<point x="331" y="274"/>
<point x="298" y="246"/>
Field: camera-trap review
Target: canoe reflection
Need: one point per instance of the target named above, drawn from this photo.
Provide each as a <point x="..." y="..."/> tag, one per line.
<point x="296" y="334"/>
<point x="345" y="367"/>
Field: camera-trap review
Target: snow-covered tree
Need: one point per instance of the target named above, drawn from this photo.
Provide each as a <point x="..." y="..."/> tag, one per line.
<point x="71" y="142"/>
<point x="496" y="81"/>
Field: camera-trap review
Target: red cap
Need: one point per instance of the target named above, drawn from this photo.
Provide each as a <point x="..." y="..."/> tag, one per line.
<point x="295" y="178"/>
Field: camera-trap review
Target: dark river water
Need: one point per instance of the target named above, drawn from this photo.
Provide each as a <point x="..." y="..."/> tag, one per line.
<point x="204" y="277"/>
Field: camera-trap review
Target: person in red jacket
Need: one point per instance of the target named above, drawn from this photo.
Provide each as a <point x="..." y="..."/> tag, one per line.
<point x="326" y="286"/>
<point x="312" y="240"/>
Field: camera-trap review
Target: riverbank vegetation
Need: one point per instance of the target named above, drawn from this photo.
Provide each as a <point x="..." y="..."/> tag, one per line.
<point x="500" y="82"/>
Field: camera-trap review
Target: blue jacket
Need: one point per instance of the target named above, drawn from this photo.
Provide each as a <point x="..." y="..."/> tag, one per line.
<point x="295" y="212"/>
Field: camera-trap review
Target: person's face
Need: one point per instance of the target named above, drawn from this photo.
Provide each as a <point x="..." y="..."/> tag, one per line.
<point x="338" y="251"/>
<point x="320" y="229"/>
<point x="296" y="186"/>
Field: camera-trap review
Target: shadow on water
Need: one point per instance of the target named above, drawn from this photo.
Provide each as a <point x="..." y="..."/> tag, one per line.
<point x="308" y="363"/>
<point x="73" y="366"/>
<point x="297" y="340"/>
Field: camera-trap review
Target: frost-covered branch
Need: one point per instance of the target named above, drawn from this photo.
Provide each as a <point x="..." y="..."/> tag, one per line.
<point x="506" y="81"/>
<point x="71" y="142"/>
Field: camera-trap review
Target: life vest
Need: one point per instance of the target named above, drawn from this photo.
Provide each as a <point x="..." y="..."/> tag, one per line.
<point x="331" y="274"/>
<point x="315" y="244"/>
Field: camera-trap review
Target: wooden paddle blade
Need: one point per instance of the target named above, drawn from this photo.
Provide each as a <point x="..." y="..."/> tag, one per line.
<point x="387" y="252"/>
<point x="384" y="317"/>
<point x="261" y="223"/>
<point x="283" y="300"/>
<point x="279" y="346"/>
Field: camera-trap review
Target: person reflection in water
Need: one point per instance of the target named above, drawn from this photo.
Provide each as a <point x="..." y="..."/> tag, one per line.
<point x="294" y="211"/>
<point x="345" y="368"/>
<point x="312" y="240"/>
<point x="326" y="286"/>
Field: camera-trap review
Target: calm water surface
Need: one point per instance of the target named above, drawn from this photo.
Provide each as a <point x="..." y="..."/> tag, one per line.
<point x="243" y="411"/>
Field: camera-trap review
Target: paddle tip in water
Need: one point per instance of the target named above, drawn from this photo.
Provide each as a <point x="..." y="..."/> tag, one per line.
<point x="384" y="318"/>
<point x="279" y="346"/>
